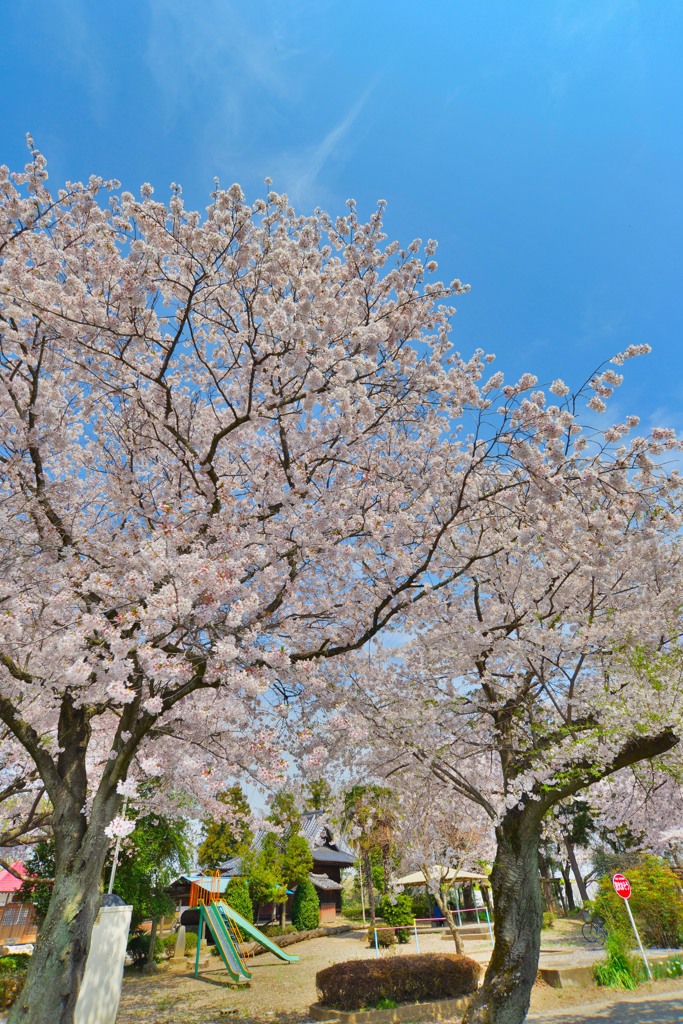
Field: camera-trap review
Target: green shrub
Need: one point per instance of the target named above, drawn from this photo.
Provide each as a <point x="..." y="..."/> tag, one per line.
<point x="13" y="969"/>
<point x="398" y="912"/>
<point x="352" y="911"/>
<point x="273" y="930"/>
<point x="403" y="979"/>
<point x="138" y="950"/>
<point x="15" y="962"/>
<point x="619" y="970"/>
<point x="237" y="895"/>
<point x="655" y="902"/>
<point x="385" y="937"/>
<point x="548" y="919"/>
<point x="386" y="1004"/>
<point x="168" y="944"/>
<point x="421" y="907"/>
<point x="306" y="907"/>
<point x="190" y="943"/>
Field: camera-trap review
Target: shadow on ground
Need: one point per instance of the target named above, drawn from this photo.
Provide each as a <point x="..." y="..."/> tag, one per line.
<point x="660" y="1011"/>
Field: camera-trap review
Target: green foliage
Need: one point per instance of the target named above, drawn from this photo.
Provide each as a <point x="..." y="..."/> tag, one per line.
<point x="226" y="839"/>
<point x="168" y="944"/>
<point x="138" y="950"/>
<point x="318" y="794"/>
<point x="548" y="919"/>
<point x="237" y="895"/>
<point x="275" y="930"/>
<point x="352" y="911"/>
<point x="40" y="872"/>
<point x="421" y="907"/>
<point x="152" y="856"/>
<point x="12" y="977"/>
<point x="619" y="970"/>
<point x="15" y="963"/>
<point x="672" y="968"/>
<point x="297" y="861"/>
<point x="385" y="938"/>
<point x="265" y="870"/>
<point x="306" y="907"/>
<point x="414" y="978"/>
<point x="398" y="912"/>
<point x="386" y="1004"/>
<point x="284" y="812"/>
<point x="656" y="905"/>
<point x="190" y="943"/>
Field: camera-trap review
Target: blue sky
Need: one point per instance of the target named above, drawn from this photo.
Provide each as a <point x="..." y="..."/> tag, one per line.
<point x="539" y="142"/>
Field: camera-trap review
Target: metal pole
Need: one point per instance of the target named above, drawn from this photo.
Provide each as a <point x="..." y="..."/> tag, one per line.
<point x="488" y="921"/>
<point x="457" y="903"/>
<point x="376" y="946"/>
<point x="200" y="931"/>
<point x="117" y="847"/>
<point x="417" y="944"/>
<point x="362" y="897"/>
<point x="640" y="945"/>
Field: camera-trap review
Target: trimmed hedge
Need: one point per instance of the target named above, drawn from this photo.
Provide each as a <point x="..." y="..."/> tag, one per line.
<point x="414" y="978"/>
<point x="305" y="907"/>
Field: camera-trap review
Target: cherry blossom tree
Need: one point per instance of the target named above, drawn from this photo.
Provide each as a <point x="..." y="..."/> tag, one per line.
<point x="440" y="837"/>
<point x="232" y="446"/>
<point x="553" y="663"/>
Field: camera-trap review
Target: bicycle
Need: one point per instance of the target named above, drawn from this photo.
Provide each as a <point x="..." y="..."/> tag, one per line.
<point x="594" y="932"/>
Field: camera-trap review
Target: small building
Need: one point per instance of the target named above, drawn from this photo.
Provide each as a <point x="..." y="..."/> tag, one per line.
<point x="17" y="920"/>
<point x="329" y="860"/>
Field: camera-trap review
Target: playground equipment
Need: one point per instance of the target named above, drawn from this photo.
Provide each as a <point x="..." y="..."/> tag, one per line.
<point x="228" y="929"/>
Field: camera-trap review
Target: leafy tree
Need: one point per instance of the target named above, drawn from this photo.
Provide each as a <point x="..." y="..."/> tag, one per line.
<point x="40" y="872"/>
<point x="226" y="839"/>
<point x="152" y="856"/>
<point x="318" y="794"/>
<point x="306" y="906"/>
<point x="237" y="895"/>
<point x="370" y="814"/>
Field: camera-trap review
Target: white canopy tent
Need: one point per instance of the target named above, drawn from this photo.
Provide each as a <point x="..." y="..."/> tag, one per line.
<point x="439" y="872"/>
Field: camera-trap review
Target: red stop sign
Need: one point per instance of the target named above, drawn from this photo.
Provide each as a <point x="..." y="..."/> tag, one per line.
<point x="622" y="886"/>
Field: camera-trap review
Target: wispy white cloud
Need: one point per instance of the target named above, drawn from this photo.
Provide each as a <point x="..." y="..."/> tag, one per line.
<point x="300" y="171"/>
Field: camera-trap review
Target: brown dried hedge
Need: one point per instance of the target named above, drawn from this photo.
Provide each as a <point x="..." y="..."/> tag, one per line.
<point x="415" y="978"/>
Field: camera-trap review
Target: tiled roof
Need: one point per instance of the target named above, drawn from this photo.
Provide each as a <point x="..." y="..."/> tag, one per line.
<point x="330" y="855"/>
<point x="323" y="882"/>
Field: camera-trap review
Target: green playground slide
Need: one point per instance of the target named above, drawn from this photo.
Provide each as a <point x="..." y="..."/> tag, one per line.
<point x="224" y="944"/>
<point x="252" y="932"/>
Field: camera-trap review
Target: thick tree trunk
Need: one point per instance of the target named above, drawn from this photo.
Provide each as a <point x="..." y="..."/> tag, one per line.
<point x="58" y="961"/>
<point x="505" y="995"/>
<point x="568" y="887"/>
<point x="571" y="853"/>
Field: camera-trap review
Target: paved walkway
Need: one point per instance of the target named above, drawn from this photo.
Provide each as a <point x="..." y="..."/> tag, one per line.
<point x="657" y="1009"/>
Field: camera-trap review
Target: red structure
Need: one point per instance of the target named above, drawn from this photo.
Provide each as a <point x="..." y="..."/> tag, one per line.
<point x="17" y="920"/>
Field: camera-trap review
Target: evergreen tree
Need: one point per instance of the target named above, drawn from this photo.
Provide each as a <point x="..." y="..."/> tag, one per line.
<point x="237" y="895"/>
<point x="306" y="907"/>
<point x="226" y="839"/>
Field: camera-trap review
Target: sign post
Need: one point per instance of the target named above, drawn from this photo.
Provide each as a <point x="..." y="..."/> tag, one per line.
<point x="622" y="887"/>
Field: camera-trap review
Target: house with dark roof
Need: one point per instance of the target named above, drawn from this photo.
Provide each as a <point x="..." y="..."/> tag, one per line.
<point x="329" y="860"/>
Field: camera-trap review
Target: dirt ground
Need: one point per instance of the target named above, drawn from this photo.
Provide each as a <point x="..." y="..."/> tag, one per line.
<point x="281" y="993"/>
